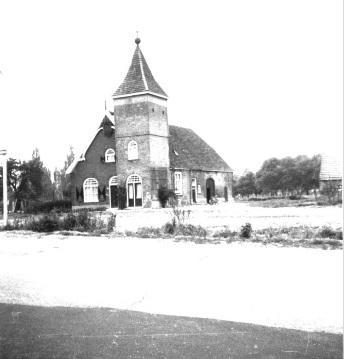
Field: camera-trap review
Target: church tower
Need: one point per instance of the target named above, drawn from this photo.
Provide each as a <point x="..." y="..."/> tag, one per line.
<point x="142" y="133"/>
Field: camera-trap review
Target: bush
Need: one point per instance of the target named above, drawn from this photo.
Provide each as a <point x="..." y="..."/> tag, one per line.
<point x="327" y="232"/>
<point x="148" y="232"/>
<point x="246" y="231"/>
<point x="47" y="223"/>
<point x="225" y="233"/>
<point x="169" y="227"/>
<point x="47" y="207"/>
<point x="164" y="194"/>
<point x="191" y="230"/>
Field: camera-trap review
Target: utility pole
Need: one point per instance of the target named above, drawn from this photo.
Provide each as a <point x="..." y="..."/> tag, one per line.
<point x="3" y="154"/>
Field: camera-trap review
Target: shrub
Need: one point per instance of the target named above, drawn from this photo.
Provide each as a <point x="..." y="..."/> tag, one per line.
<point x="327" y="232"/>
<point x="69" y="222"/>
<point x="191" y="230"/>
<point x="169" y="227"/>
<point x="111" y="224"/>
<point x="164" y="194"/>
<point x="148" y="232"/>
<point x="225" y="233"/>
<point x="46" y="207"/>
<point x="47" y="223"/>
<point x="246" y="231"/>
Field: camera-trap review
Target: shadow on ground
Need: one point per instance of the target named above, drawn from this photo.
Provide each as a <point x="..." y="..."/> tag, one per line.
<point x="60" y="332"/>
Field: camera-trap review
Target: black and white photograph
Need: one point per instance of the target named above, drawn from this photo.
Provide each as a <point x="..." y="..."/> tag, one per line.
<point x="171" y="179"/>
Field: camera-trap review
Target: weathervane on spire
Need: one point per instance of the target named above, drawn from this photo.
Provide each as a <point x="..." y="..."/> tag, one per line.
<point x="137" y="40"/>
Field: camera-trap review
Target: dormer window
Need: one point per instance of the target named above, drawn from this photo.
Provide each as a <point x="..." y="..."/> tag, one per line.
<point x="110" y="155"/>
<point x="133" y="152"/>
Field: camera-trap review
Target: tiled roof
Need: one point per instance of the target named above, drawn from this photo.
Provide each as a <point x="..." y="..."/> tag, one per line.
<point x="105" y="121"/>
<point x="189" y="151"/>
<point x="331" y="168"/>
<point x="139" y="78"/>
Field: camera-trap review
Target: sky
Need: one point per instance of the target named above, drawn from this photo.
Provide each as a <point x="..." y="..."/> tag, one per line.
<point x="255" y="79"/>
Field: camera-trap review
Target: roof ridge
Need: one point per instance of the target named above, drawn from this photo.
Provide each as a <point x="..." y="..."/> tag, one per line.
<point x="142" y="71"/>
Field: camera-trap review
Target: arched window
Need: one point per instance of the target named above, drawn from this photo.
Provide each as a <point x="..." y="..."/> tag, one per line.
<point x="110" y="155"/>
<point x="90" y="190"/>
<point x="133" y="152"/>
<point x="134" y="191"/>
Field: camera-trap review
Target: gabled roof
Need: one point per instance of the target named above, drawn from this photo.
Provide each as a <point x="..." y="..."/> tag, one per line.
<point x="81" y="156"/>
<point x="106" y="121"/>
<point x="189" y="151"/>
<point x="139" y="78"/>
<point x="331" y="168"/>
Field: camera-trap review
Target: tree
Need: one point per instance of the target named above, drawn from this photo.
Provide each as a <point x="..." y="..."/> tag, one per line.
<point x="246" y="185"/>
<point x="61" y="179"/>
<point x="269" y="176"/>
<point x="298" y="175"/>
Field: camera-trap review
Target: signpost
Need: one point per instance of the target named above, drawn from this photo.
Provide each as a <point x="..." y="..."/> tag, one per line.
<point x="3" y="155"/>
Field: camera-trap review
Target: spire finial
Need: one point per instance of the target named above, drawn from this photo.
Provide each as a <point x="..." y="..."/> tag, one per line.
<point x="137" y="40"/>
<point x="105" y="105"/>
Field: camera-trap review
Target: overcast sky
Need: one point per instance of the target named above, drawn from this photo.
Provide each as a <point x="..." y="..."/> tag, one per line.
<point x="256" y="79"/>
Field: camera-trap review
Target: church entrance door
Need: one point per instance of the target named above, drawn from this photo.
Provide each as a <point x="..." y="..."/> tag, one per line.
<point x="210" y="188"/>
<point x="134" y="191"/>
<point x="113" y="188"/>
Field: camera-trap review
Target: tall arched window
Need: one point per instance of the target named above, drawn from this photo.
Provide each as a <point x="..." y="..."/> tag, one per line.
<point x="90" y="190"/>
<point x="109" y="155"/>
<point x="133" y="151"/>
<point x="134" y="191"/>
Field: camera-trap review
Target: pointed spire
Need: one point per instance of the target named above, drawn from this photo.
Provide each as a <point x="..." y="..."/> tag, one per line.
<point x="139" y="78"/>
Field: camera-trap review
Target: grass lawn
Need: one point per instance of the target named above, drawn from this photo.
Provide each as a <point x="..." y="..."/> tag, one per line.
<point x="59" y="332"/>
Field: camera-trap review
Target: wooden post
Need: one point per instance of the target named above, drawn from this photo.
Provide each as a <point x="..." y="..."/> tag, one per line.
<point x="4" y="185"/>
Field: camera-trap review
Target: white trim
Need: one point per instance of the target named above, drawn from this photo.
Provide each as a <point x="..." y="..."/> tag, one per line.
<point x="178" y="191"/>
<point x="83" y="186"/>
<point x="141" y="98"/>
<point x="113" y="155"/>
<point x="139" y="93"/>
<point x="138" y="179"/>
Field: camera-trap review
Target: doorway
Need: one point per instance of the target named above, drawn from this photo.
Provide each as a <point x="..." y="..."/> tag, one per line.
<point x="113" y="188"/>
<point x="134" y="191"/>
<point x="210" y="188"/>
<point x="193" y="190"/>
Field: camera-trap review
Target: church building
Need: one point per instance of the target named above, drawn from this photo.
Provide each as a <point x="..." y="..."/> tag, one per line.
<point x="135" y="148"/>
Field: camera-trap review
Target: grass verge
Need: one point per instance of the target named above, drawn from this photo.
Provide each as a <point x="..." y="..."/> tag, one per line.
<point x="57" y="332"/>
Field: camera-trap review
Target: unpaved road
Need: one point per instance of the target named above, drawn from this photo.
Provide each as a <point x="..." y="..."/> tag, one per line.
<point x="286" y="287"/>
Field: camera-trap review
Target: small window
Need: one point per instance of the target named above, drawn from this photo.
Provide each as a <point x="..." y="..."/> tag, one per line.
<point x="110" y="155"/>
<point x="133" y="152"/>
<point x="178" y="183"/>
<point x="90" y="190"/>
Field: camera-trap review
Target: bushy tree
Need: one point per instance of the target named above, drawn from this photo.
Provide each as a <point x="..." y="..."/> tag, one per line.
<point x="246" y="185"/>
<point x="28" y="181"/>
<point x="298" y="175"/>
<point x="62" y="180"/>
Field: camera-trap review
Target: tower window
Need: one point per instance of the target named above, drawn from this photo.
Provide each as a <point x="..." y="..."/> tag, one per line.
<point x="153" y="109"/>
<point x="110" y="155"/>
<point x="133" y="152"/>
<point x="90" y="190"/>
